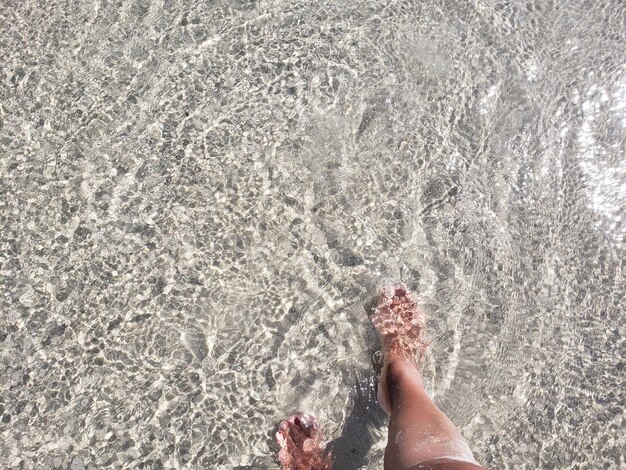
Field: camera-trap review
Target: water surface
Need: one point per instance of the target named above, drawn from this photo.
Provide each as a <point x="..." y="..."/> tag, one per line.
<point x="199" y="200"/>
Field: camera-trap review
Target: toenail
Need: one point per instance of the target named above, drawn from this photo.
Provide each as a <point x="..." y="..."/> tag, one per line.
<point x="306" y="424"/>
<point x="308" y="445"/>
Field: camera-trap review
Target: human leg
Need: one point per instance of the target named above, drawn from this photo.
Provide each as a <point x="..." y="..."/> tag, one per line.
<point x="419" y="432"/>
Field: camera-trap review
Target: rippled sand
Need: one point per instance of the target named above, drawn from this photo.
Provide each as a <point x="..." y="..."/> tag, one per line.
<point x="199" y="200"/>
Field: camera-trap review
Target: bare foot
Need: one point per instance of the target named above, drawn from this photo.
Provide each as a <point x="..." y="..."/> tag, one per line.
<point x="301" y="444"/>
<point x="400" y="324"/>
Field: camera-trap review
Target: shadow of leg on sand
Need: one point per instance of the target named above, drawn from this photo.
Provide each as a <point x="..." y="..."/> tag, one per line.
<point x="362" y="428"/>
<point x="366" y="420"/>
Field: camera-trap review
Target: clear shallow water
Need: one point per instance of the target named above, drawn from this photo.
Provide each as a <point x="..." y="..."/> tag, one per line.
<point x="199" y="199"/>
